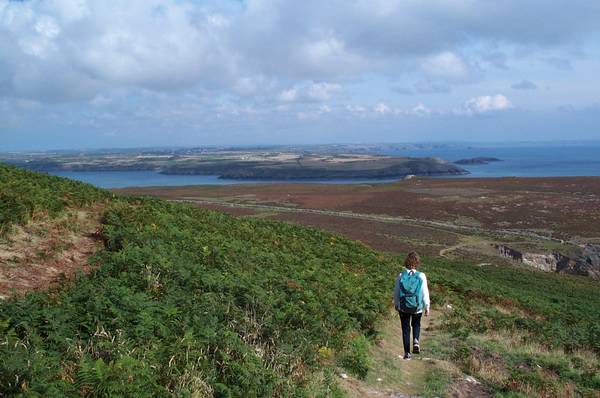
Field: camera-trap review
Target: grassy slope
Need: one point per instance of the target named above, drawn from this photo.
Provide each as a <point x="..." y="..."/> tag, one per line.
<point x="196" y="303"/>
<point x="520" y="331"/>
<point x="25" y="195"/>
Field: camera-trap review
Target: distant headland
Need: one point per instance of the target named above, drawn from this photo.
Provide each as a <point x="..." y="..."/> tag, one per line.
<point x="242" y="164"/>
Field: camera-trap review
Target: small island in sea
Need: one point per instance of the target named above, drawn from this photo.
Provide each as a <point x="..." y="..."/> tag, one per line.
<point x="477" y="160"/>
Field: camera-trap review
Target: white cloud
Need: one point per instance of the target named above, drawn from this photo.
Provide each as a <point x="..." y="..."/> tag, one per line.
<point x="382" y="108"/>
<point x="357" y="110"/>
<point x="170" y="45"/>
<point x="288" y="95"/>
<point x="314" y="113"/>
<point x="253" y="85"/>
<point x="325" y="109"/>
<point x="311" y="92"/>
<point x="485" y="104"/>
<point x="157" y="45"/>
<point x="323" y="91"/>
<point x="175" y="44"/>
<point x="177" y="61"/>
<point x="324" y="50"/>
<point x="446" y="66"/>
<point x="420" y="110"/>
<point x="47" y="26"/>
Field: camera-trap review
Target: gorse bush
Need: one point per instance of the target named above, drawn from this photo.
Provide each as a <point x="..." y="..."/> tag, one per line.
<point x="191" y="302"/>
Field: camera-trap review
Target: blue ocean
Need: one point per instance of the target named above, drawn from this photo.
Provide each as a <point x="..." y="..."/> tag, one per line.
<point x="516" y="161"/>
<point x="123" y="179"/>
<point x="521" y="161"/>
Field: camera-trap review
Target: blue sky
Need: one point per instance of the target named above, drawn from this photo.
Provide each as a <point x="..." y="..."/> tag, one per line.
<point x="84" y="73"/>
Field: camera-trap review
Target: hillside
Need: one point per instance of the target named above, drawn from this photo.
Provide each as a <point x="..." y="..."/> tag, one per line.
<point x="181" y="301"/>
<point x="188" y="302"/>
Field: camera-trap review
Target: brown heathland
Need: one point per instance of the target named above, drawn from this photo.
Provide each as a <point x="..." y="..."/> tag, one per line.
<point x="563" y="207"/>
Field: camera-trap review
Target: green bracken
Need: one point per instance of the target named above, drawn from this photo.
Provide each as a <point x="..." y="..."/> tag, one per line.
<point x="193" y="303"/>
<point x="186" y="301"/>
<point x="23" y="194"/>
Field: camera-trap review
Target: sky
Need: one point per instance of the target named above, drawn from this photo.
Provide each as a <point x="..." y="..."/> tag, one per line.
<point x="140" y="73"/>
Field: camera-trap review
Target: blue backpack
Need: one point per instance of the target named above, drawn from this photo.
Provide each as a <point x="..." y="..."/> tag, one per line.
<point x="410" y="292"/>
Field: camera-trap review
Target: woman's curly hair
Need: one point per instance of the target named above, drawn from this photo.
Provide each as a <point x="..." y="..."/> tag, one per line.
<point x="412" y="260"/>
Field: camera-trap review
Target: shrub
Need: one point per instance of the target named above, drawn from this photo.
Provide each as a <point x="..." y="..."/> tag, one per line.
<point x="356" y="358"/>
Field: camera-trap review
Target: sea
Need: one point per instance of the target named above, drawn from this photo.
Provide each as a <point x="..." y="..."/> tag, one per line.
<point x="516" y="161"/>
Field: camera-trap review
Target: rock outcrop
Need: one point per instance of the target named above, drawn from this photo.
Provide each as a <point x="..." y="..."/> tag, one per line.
<point x="513" y="254"/>
<point x="587" y="263"/>
<point x="545" y="262"/>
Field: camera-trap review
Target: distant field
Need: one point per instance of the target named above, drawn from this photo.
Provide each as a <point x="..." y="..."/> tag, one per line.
<point x="455" y="218"/>
<point x="568" y="206"/>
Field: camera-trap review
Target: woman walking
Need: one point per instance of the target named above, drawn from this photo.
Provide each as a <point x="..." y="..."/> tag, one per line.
<point x="411" y="298"/>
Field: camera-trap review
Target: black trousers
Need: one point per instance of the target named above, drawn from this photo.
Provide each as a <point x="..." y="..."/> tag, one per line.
<point x="407" y="321"/>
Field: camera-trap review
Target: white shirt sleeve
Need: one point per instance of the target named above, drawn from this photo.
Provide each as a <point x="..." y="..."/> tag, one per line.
<point x="425" y="292"/>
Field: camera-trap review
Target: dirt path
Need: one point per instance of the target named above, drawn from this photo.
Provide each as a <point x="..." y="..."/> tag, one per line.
<point x="444" y="252"/>
<point x="392" y="376"/>
<point x="468" y="242"/>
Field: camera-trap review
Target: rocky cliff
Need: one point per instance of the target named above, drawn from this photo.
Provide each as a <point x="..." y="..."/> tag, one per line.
<point x="587" y="263"/>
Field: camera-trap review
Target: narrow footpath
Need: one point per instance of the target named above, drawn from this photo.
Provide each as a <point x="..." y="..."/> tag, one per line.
<point x="390" y="375"/>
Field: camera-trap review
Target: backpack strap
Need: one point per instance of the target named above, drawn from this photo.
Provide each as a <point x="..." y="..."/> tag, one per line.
<point x="420" y="289"/>
<point x="399" y="280"/>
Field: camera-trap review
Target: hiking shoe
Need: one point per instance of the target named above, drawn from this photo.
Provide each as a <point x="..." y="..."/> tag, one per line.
<point x="416" y="349"/>
<point x="407" y="356"/>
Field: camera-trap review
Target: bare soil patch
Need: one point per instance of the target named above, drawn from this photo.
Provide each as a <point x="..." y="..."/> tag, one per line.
<point x="467" y="389"/>
<point x="37" y="255"/>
